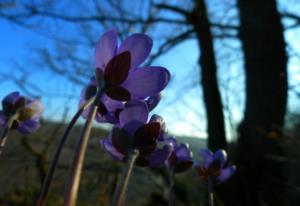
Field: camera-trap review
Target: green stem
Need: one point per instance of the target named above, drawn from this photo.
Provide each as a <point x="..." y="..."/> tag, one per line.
<point x="210" y="192"/>
<point x="71" y="192"/>
<point x="121" y="189"/>
<point x="171" y="188"/>
<point x="49" y="176"/>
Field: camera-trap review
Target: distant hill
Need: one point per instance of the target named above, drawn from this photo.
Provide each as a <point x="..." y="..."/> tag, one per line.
<point x="25" y="159"/>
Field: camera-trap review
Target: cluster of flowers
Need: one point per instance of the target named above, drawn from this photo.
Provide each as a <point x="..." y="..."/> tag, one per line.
<point x="127" y="93"/>
<point x="131" y="93"/>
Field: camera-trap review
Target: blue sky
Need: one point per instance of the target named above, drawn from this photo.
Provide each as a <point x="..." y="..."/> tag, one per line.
<point x="18" y="42"/>
<point x="181" y="106"/>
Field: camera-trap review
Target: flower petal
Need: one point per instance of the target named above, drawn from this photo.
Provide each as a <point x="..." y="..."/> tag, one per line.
<point x="207" y="156"/>
<point x="110" y="104"/>
<point x="145" y="137"/>
<point x="134" y="110"/>
<point x="221" y="156"/>
<point x="139" y="46"/>
<point x="132" y="126"/>
<point x="163" y="130"/>
<point x="147" y="81"/>
<point x="121" y="140"/>
<point x="109" y="148"/>
<point x="226" y="174"/>
<point x="183" y="152"/>
<point x="117" y="68"/>
<point x="153" y="101"/>
<point x="11" y="98"/>
<point x="37" y="109"/>
<point x="28" y="126"/>
<point x="118" y="93"/>
<point x="106" y="48"/>
<point x="159" y="156"/>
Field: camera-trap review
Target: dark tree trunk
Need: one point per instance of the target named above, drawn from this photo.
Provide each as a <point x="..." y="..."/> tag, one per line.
<point x="260" y="176"/>
<point x="207" y="62"/>
<point x="212" y="98"/>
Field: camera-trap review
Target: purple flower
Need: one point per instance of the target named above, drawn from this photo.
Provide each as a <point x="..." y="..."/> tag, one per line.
<point x="25" y="113"/>
<point x="135" y="133"/>
<point x="109" y="109"/>
<point x="163" y="130"/>
<point x="119" y="67"/>
<point x="180" y="159"/>
<point x="214" y="166"/>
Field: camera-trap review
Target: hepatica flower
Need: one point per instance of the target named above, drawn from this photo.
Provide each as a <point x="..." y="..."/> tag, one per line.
<point x="109" y="109"/>
<point x="134" y="133"/>
<point x="180" y="159"/>
<point x="25" y="113"/>
<point x="214" y="166"/>
<point x="124" y="80"/>
<point x="119" y="67"/>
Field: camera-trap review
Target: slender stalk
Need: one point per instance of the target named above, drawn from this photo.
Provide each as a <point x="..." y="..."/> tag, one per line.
<point x="121" y="189"/>
<point x="171" y="188"/>
<point x="49" y="176"/>
<point x="3" y="139"/>
<point x="4" y="135"/>
<point x="71" y="192"/>
<point x="210" y="192"/>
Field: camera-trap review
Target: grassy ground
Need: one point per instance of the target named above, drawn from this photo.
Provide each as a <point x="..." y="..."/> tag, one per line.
<point x="24" y="163"/>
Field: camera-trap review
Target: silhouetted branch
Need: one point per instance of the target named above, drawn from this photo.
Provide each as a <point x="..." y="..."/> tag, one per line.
<point x="169" y="44"/>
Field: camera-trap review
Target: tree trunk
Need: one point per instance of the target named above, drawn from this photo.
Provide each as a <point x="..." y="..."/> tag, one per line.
<point x="212" y="98"/>
<point x="260" y="174"/>
<point x="207" y="63"/>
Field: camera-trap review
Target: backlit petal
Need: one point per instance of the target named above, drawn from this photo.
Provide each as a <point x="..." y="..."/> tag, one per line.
<point x="28" y="126"/>
<point x="106" y="48"/>
<point x="147" y="81"/>
<point x="134" y="110"/>
<point x="207" y="156"/>
<point x="139" y="46"/>
<point x="226" y="173"/>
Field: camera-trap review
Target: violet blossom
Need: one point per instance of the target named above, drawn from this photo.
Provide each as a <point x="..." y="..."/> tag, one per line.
<point x="25" y="113"/>
<point x="214" y="166"/>
<point x="118" y="72"/>
<point x="134" y="133"/>
<point x="119" y="66"/>
<point x="180" y="159"/>
<point x="108" y="108"/>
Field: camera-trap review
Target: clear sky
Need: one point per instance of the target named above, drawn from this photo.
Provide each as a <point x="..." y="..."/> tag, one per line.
<point x="181" y="106"/>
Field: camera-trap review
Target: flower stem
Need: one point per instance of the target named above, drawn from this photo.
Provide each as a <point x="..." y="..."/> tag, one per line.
<point x="50" y="173"/>
<point x="121" y="189"/>
<point x="71" y="192"/>
<point x="4" y="135"/>
<point x="3" y="139"/>
<point x="210" y="192"/>
<point x="171" y="188"/>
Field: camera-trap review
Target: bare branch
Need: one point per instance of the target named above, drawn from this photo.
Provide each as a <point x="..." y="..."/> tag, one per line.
<point x="170" y="43"/>
<point x="173" y="8"/>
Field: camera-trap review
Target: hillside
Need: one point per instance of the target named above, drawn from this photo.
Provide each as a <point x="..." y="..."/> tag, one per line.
<point x="24" y="162"/>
